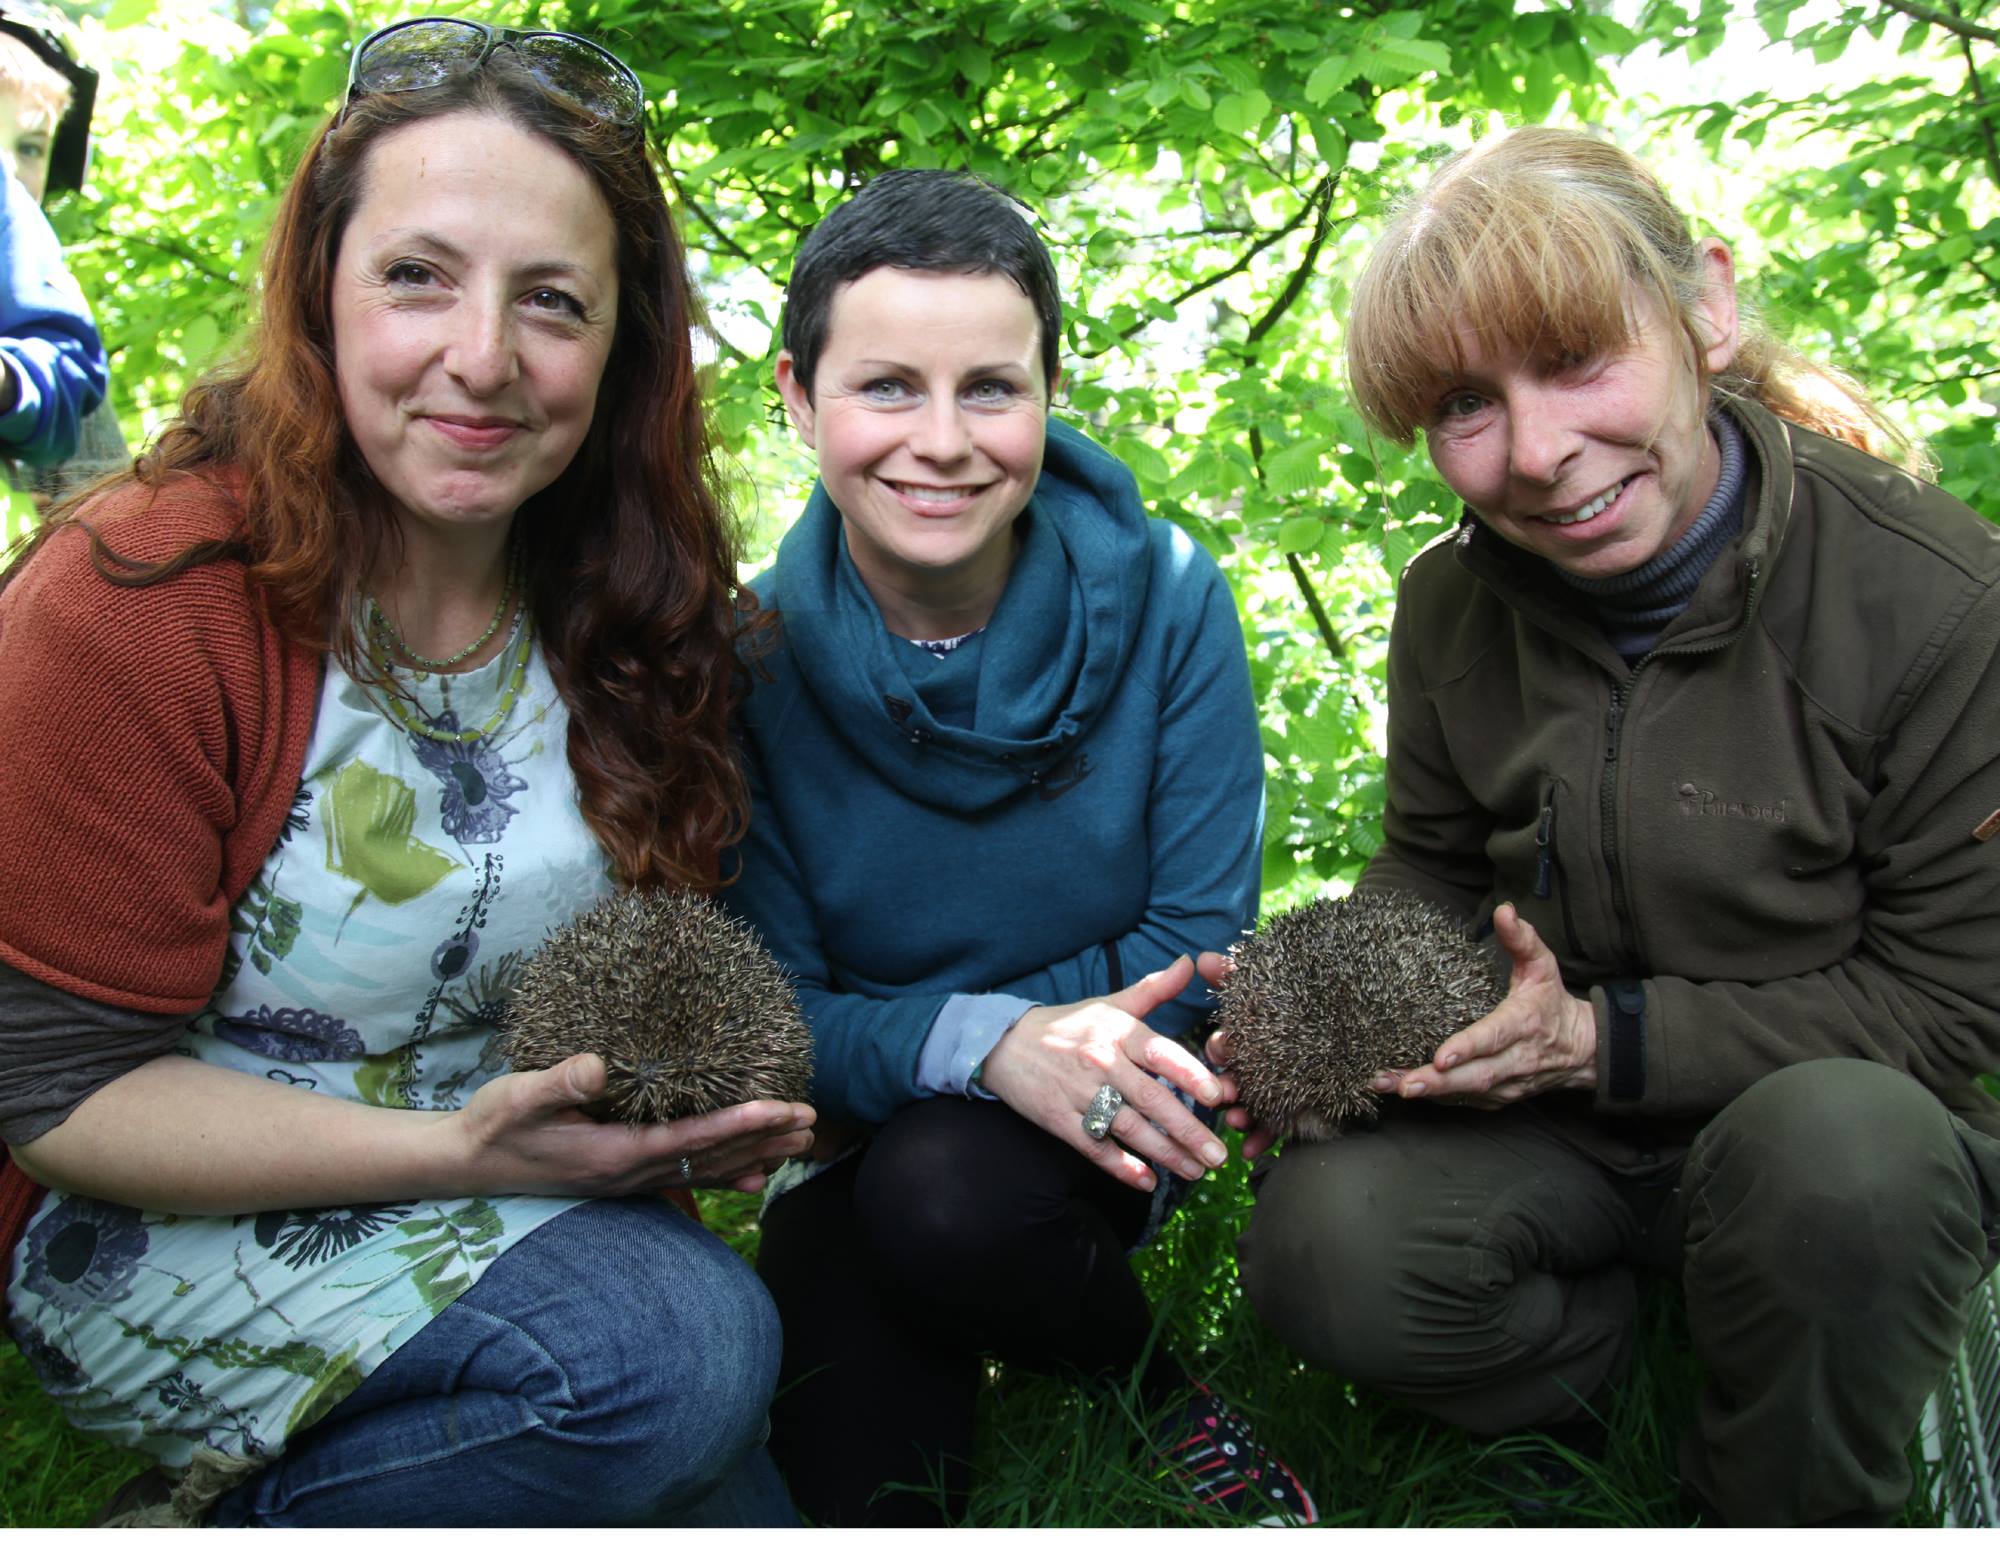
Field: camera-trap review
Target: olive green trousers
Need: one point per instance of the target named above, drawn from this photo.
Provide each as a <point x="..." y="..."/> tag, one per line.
<point x="1828" y="1228"/>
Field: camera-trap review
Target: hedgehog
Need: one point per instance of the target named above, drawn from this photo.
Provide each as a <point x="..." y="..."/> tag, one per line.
<point x="1326" y="995"/>
<point x="680" y="998"/>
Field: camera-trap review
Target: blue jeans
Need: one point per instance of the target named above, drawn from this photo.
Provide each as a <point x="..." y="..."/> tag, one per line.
<point x="613" y="1368"/>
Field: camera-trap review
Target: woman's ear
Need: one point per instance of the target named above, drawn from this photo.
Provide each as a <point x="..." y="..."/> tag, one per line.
<point x="1717" y="309"/>
<point x="798" y="402"/>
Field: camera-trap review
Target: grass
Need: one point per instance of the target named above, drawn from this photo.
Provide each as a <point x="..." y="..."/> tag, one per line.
<point x="50" y="1476"/>
<point x="1051" y="1454"/>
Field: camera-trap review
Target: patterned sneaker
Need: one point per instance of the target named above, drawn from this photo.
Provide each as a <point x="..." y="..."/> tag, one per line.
<point x="1211" y="1449"/>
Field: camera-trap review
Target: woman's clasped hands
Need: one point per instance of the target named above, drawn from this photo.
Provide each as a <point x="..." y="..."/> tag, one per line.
<point x="1050" y="1066"/>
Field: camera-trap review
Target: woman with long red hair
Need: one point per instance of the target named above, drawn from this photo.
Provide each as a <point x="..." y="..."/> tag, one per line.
<point x="409" y="638"/>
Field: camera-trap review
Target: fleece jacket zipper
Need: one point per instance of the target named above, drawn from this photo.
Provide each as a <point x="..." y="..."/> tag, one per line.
<point x="1614" y="723"/>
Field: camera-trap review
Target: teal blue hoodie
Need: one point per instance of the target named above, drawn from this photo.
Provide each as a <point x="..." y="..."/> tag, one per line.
<point x="1069" y="800"/>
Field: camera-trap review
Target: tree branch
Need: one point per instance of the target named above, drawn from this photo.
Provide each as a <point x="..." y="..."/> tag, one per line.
<point x="1328" y="636"/>
<point x="791" y="24"/>
<point x="1236" y="267"/>
<point x="1929" y="381"/>
<point x="1156" y="240"/>
<point x="707" y="221"/>
<point x="166" y="246"/>
<point x="1322" y="199"/>
<point x="1985" y="111"/>
<point x="1944" y="19"/>
<point x="1043" y="123"/>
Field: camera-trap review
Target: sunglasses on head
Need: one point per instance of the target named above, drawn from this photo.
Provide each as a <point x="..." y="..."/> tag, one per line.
<point x="409" y="56"/>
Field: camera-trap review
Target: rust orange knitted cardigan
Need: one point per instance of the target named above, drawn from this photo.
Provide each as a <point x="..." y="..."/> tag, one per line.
<point x="151" y="742"/>
<point x="153" y="739"/>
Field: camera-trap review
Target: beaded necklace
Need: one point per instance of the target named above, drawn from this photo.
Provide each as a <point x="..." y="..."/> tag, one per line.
<point x="412" y="718"/>
<point x="386" y="632"/>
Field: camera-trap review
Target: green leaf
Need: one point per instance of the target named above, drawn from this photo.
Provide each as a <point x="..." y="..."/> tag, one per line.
<point x="1329" y="76"/>
<point x="1241" y="75"/>
<point x="199" y="339"/>
<point x="1398" y="58"/>
<point x="1280" y="865"/>
<point x="1301" y="534"/>
<point x="1195" y="95"/>
<point x="1296" y="466"/>
<point x="1241" y="112"/>
<point x="1068" y="48"/>
<point x="975" y="64"/>
<point x="1147" y="463"/>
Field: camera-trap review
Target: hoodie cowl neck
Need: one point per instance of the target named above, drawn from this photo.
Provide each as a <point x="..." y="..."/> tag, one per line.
<point x="975" y="727"/>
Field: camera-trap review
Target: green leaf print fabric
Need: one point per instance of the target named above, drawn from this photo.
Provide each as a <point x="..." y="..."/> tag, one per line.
<point x="368" y="961"/>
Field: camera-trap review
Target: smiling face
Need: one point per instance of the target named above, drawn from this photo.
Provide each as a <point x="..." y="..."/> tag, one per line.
<point x="928" y="413"/>
<point x="1599" y="465"/>
<point x="474" y="296"/>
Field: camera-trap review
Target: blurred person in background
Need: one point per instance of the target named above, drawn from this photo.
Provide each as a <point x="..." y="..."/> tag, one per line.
<point x="54" y="418"/>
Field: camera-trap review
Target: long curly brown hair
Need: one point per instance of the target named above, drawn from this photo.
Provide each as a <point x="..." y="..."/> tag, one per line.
<point x="630" y="554"/>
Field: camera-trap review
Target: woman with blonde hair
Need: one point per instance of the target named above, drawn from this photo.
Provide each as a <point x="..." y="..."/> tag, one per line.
<point x="1698" y="715"/>
<point x="410" y="637"/>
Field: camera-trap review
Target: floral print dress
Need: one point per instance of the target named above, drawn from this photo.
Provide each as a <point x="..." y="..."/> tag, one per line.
<point x="369" y="961"/>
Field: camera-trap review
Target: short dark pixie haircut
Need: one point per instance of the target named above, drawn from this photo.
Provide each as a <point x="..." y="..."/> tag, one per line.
<point x="919" y="219"/>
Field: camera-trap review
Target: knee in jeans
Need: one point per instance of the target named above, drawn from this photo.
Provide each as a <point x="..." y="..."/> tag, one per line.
<point x="726" y="1320"/>
<point x="696" y="1362"/>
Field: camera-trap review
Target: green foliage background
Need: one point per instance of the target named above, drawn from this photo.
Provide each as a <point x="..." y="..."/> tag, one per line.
<point x="1207" y="173"/>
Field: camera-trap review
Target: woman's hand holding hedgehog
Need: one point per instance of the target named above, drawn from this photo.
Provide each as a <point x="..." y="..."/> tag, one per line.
<point x="1539" y="1038"/>
<point x="696" y="1044"/>
<point x="529" y="1131"/>
<point x="1050" y="1065"/>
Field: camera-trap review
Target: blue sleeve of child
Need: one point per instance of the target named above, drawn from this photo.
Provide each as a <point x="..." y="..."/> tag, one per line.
<point x="47" y="335"/>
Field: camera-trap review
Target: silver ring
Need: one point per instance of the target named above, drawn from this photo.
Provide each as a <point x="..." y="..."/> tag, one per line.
<point x="1104" y="1108"/>
<point x="687" y="1170"/>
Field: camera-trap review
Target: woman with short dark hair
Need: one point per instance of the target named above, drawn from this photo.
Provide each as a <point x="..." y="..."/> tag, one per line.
<point x="1007" y="778"/>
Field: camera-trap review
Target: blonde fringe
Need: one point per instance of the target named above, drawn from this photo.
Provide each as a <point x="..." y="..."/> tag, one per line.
<point x="1543" y="237"/>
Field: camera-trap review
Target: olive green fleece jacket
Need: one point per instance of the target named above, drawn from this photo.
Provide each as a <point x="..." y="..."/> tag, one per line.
<point x="1773" y="820"/>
